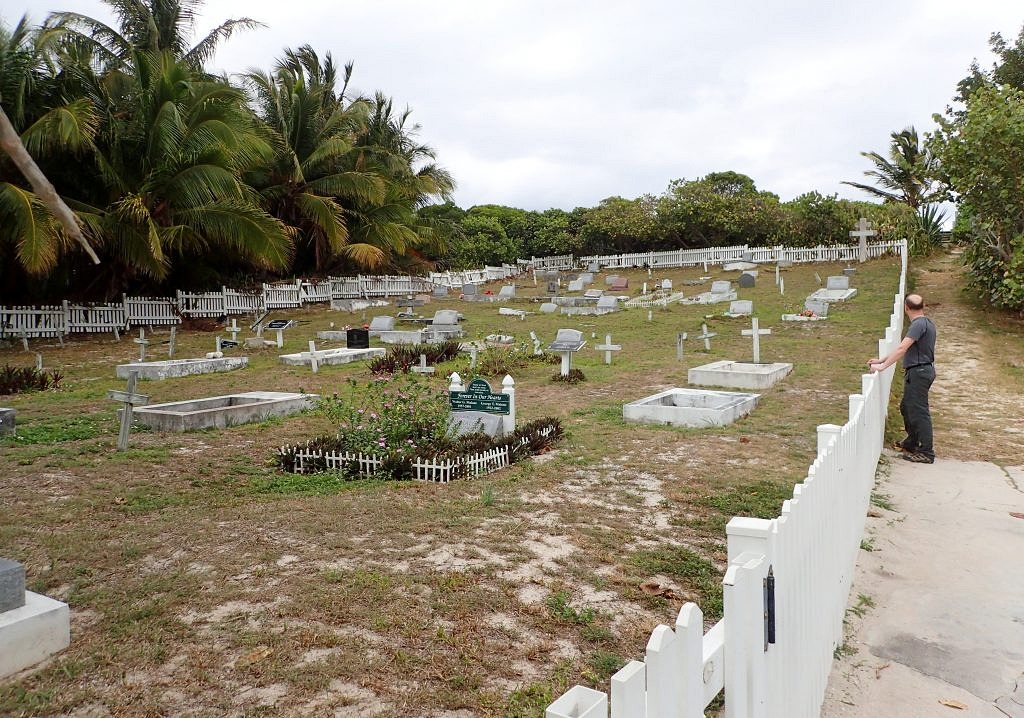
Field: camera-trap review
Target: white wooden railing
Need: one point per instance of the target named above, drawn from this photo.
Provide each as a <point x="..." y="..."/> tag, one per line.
<point x="804" y="559"/>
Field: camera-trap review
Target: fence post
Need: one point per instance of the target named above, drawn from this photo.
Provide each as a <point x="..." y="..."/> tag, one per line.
<point x="455" y="382"/>
<point x="508" y="387"/>
<point x="825" y="434"/>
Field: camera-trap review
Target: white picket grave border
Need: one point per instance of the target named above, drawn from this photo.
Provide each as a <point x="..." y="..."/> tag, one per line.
<point x="560" y="261"/>
<point x="810" y="552"/>
<point x="313" y="292"/>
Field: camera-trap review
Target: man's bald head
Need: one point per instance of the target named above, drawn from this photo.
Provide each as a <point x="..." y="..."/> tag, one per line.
<point x="914" y="302"/>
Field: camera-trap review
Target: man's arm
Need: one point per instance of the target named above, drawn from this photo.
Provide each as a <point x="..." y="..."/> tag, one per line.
<point x="894" y="356"/>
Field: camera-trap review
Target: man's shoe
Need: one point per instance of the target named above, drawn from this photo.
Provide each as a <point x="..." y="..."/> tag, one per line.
<point x="899" y="445"/>
<point x="919" y="458"/>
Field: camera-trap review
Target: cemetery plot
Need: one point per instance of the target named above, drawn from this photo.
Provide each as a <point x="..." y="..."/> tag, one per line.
<point x="175" y="368"/>
<point x="222" y="411"/>
<point x="690" y="407"/>
<point x="330" y="356"/>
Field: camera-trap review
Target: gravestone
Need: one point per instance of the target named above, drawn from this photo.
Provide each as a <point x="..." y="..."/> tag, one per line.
<point x="862" y="233"/>
<point x="842" y="282"/>
<point x="746" y="280"/>
<point x="8" y="421"/>
<point x="756" y="332"/>
<point x="611" y="279"/>
<point x="129" y="399"/>
<point x="850" y="271"/>
<point x="567" y="342"/>
<point x="593" y="267"/>
<point x="608" y="348"/>
<point x="357" y="339"/>
<point x="551" y="274"/>
<point x="537" y="351"/>
<point x="738" y="266"/>
<point x="741" y="307"/>
<point x="609" y="303"/>
<point x="593" y="294"/>
<point x="548" y="308"/>
<point x="12" y="585"/>
<point x="587" y="278"/>
<point x="507" y="292"/>
<point x="620" y="284"/>
<point x="446" y="317"/>
<point x="423" y="368"/>
<point x="819" y="308"/>
<point x="32" y="627"/>
<point x="576" y="285"/>
<point x="472" y="422"/>
<point x="439" y="291"/>
<point x="552" y="287"/>
<point x="706" y="336"/>
<point x="680" y="341"/>
<point x="381" y="324"/>
<point x="721" y="287"/>
<point x="278" y="325"/>
<point x="470" y="290"/>
<point x="784" y="264"/>
<point x="666" y="284"/>
<point x="141" y="341"/>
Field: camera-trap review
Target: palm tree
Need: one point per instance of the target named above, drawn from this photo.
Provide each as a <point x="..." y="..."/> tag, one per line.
<point x="312" y="179"/>
<point x="908" y="176"/>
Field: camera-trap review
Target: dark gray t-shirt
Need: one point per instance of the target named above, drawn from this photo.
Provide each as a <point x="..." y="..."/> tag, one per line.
<point x="922" y="351"/>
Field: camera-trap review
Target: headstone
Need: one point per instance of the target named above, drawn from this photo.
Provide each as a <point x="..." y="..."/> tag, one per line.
<point x="593" y="294"/>
<point x="593" y="267"/>
<point x="620" y="284"/>
<point x="746" y="281"/>
<point x="756" y="333"/>
<point x="423" y="368"/>
<point x="666" y="284"/>
<point x="507" y="292"/>
<point x="721" y="287"/>
<point x="643" y="289"/>
<point x="706" y="336"/>
<point x="8" y="421"/>
<point x="445" y="317"/>
<point x="862" y="233"/>
<point x="587" y="278"/>
<point x="548" y="308"/>
<point x="537" y="351"/>
<point x="552" y="274"/>
<point x="12" y="585"/>
<point x="842" y="282"/>
<point x="233" y="330"/>
<point x="279" y="325"/>
<point x="479" y="397"/>
<point x="741" y="307"/>
<point x="552" y="287"/>
<point x="819" y="308"/>
<point x="357" y="339"/>
<point x="174" y="336"/>
<point x="576" y="285"/>
<point x="650" y="315"/>
<point x="470" y="290"/>
<point x="567" y="342"/>
<point x="680" y="339"/>
<point x="782" y="285"/>
<point x="142" y="342"/>
<point x="440" y="291"/>
<point x="228" y="344"/>
<point x="471" y="422"/>
<point x="381" y="324"/>
<point x="129" y="399"/>
<point x="609" y="302"/>
<point x="611" y="279"/>
<point x="608" y="348"/>
<point x="785" y="263"/>
<point x="313" y="363"/>
<point x="850" y="271"/>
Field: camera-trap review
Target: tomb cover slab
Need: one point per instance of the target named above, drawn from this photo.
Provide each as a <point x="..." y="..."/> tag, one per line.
<point x="222" y="411"/>
<point x="695" y="408"/>
<point x="739" y="375"/>
<point x="832" y="295"/>
<point x="33" y="633"/>
<point x="331" y="356"/>
<point x="175" y="368"/>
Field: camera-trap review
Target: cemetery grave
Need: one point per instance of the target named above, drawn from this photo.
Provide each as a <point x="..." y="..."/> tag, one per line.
<point x="690" y="407"/>
<point x="200" y="577"/>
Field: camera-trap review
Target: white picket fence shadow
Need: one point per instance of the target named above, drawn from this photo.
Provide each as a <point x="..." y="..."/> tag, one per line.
<point x="804" y="559"/>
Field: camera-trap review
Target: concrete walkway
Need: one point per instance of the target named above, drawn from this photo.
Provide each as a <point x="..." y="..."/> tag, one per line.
<point x="946" y="580"/>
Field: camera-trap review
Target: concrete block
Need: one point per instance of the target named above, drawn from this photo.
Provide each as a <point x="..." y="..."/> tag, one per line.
<point x="12" y="585"/>
<point x="33" y="633"/>
<point x="739" y="375"/>
<point x="175" y="368"/>
<point x="690" y="407"/>
<point x="222" y="411"/>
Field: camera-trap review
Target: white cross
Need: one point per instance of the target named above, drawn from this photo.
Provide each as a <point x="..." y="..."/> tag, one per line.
<point x="170" y="344"/>
<point x="782" y="285"/>
<point x="650" y="315"/>
<point x="536" y="344"/>
<point x="862" y="233"/>
<point x="706" y="336"/>
<point x="777" y="275"/>
<point x="313" y="363"/>
<point x="129" y="399"/>
<point x="142" y="342"/>
<point x="608" y="348"/>
<point x="680" y="338"/>
<point x="234" y="330"/>
<point x="423" y="368"/>
<point x="756" y="333"/>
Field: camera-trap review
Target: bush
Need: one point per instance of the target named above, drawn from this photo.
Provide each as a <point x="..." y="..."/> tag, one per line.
<point x="15" y="380"/>
<point x="575" y="376"/>
<point x="501" y="360"/>
<point x="402" y="357"/>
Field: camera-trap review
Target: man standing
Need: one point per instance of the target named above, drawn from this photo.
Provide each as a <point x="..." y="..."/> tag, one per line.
<point x="918" y="353"/>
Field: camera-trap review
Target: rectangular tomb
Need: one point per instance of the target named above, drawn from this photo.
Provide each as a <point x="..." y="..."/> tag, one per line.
<point x="326" y="357"/>
<point x="222" y="411"/>
<point x="832" y="295"/>
<point x="691" y="407"/>
<point x="739" y="375"/>
<point x="174" y="368"/>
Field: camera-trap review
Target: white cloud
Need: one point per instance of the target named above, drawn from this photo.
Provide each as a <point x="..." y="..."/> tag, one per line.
<point x="535" y="103"/>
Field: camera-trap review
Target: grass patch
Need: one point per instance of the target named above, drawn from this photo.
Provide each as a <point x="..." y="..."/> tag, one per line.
<point x="319" y="484"/>
<point x="693" y="571"/>
<point x="61" y="429"/>
<point x="761" y="500"/>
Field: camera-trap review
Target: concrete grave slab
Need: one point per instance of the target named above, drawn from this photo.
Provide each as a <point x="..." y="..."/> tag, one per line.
<point x="356" y="305"/>
<point x="695" y="408"/>
<point x="548" y="308"/>
<point x="739" y="375"/>
<point x="32" y="633"/>
<point x="738" y="266"/>
<point x="330" y="356"/>
<point x="611" y="279"/>
<point x="222" y="411"/>
<point x="507" y="292"/>
<point x="176" y="368"/>
<point x="740" y="308"/>
<point x="576" y="285"/>
<point x="832" y="295"/>
<point x="721" y="287"/>
<point x="402" y="336"/>
<point x="382" y="323"/>
<point x="587" y="278"/>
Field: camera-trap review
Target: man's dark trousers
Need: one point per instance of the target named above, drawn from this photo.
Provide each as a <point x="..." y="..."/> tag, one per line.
<point x="916" y="417"/>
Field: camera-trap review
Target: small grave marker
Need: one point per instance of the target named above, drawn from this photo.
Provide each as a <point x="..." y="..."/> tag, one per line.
<point x="142" y="342"/>
<point x="756" y="332"/>
<point x="423" y="368"/>
<point x="746" y="280"/>
<point x="279" y="325"/>
<point x="537" y="351"/>
<point x="170" y="343"/>
<point x="608" y="348"/>
<point x="39" y="361"/>
<point x="233" y="330"/>
<point x="357" y="339"/>
<point x="782" y="285"/>
<point x="567" y="342"/>
<point x="817" y="278"/>
<point x="706" y="336"/>
<point x="862" y="233"/>
<point x="312" y="357"/>
<point x="650" y="315"/>
<point x="129" y="399"/>
<point x="680" y="338"/>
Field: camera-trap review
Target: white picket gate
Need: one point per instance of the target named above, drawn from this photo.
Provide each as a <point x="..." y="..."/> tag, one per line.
<point x="785" y="590"/>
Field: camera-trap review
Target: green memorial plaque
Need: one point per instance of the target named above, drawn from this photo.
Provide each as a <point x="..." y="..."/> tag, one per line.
<point x="478" y="397"/>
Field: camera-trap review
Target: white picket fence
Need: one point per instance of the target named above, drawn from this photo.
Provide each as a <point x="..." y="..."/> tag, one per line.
<point x="785" y="589"/>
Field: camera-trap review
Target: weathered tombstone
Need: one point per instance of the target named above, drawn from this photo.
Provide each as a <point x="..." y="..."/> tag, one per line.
<point x="587" y="278"/>
<point x="357" y="339"/>
<point x="850" y="271"/>
<point x="439" y="291"/>
<point x="12" y="585"/>
<point x="279" y="325"/>
<point x="141" y="341"/>
<point x="666" y="284"/>
<point x="576" y="285"/>
<point x="706" y="336"/>
<point x="608" y="348"/>
<point x="567" y="342"/>
<point x="233" y="330"/>
<point x="423" y="368"/>
<point x="8" y="421"/>
<point x="445" y="317"/>
<point x="785" y="263"/>
<point x="129" y="399"/>
<point x="507" y="292"/>
<point x="756" y="333"/>
<point x="473" y="422"/>
<point x="593" y="267"/>
<point x="470" y="290"/>
<point x="313" y="363"/>
<point x="548" y="308"/>
<point x="478" y="399"/>
<point x="862" y="233"/>
<point x="553" y="287"/>
<point x="593" y="294"/>
<point x="741" y="307"/>
<point x="608" y="303"/>
<point x="620" y="284"/>
<point x="746" y="281"/>
<point x="611" y="279"/>
<point x="537" y="351"/>
<point x="680" y="339"/>
<point x="170" y="343"/>
<point x="721" y="287"/>
<point x="782" y="285"/>
<point x="819" y="308"/>
<point x="842" y="282"/>
<point x="382" y="323"/>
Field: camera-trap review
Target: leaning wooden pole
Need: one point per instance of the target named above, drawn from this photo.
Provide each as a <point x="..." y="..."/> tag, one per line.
<point x="11" y="143"/>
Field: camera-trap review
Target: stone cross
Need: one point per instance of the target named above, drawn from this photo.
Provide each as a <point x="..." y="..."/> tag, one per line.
<point x="756" y="332"/>
<point x="129" y="399"/>
<point x="644" y="290"/>
<point x="706" y="336"/>
<point x="608" y="348"/>
<point x="817" y="278"/>
<point x="423" y="368"/>
<point x="862" y="233"/>
<point x="313" y="364"/>
<point x="680" y="338"/>
<point x="777" y="275"/>
<point x="216" y="346"/>
<point x="170" y="344"/>
<point x="473" y="351"/>
<point x="234" y="329"/>
<point x="142" y="342"/>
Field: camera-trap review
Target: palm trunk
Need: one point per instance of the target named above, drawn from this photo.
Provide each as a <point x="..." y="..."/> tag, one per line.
<point x="11" y="143"/>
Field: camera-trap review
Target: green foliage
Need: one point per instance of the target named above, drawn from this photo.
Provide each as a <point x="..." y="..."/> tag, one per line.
<point x="694" y="571"/>
<point x="908" y="176"/>
<point x="575" y="376"/>
<point x="402" y="357"/>
<point x="558" y="606"/>
<point x="723" y="208"/>
<point x="483" y="241"/>
<point x="497" y="361"/>
<point x="815" y="219"/>
<point x="19" y="380"/>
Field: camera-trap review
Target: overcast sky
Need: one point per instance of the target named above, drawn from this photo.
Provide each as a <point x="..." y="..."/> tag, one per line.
<point x="561" y="104"/>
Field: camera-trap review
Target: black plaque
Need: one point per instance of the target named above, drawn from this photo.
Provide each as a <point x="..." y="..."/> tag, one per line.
<point x="278" y="324"/>
<point x="228" y="344"/>
<point x="357" y="339"/>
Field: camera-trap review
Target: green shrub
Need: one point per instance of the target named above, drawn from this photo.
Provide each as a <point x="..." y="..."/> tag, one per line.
<point x="402" y="357"/>
<point x="16" y="380"/>
<point x="575" y="376"/>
